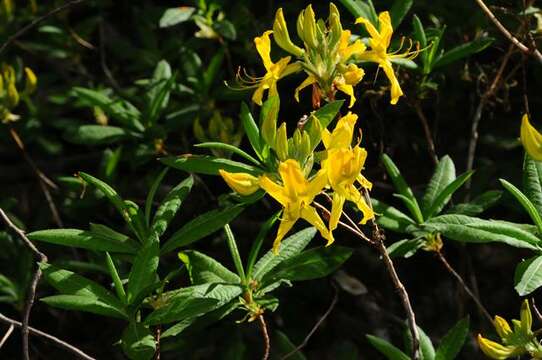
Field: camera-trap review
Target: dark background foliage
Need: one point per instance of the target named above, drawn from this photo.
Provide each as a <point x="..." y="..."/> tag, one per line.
<point x="112" y="44"/>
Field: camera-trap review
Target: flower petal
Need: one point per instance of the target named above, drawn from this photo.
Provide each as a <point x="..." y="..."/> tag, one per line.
<point x="308" y="81"/>
<point x="311" y="215"/>
<point x="531" y="139"/>
<point x="263" y="45"/>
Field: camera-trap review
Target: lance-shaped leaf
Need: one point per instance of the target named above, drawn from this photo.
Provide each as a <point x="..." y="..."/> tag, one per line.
<point x="444" y="174"/>
<point x="453" y="341"/>
<point x="528" y="276"/>
<point x="204" y="269"/>
<point x="171" y="204"/>
<point x="208" y="165"/>
<point x="143" y="274"/>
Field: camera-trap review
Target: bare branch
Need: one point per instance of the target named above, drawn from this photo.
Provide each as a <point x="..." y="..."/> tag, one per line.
<point x="267" y="342"/>
<point x="33" y="284"/>
<point x="51" y="338"/>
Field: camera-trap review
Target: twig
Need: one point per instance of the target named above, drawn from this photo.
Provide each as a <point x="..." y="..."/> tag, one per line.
<point x="355" y="230"/>
<point x="33" y="284"/>
<point x="7" y="335"/>
<point x="460" y="280"/>
<point x="378" y="239"/>
<point x="536" y="311"/>
<point x="316" y="326"/>
<point x="51" y="338"/>
<point x="427" y="132"/>
<point x="267" y="342"/>
<point x="157" y="336"/>
<point x="523" y="48"/>
<point x="478" y="114"/>
<point x="37" y="21"/>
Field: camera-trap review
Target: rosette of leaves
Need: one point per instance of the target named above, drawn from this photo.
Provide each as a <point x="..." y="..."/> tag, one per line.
<point x="422" y="221"/>
<point x="132" y="260"/>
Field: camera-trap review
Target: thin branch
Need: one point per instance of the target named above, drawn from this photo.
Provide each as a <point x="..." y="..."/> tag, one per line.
<point x="37" y="21"/>
<point x="427" y="132"/>
<point x="316" y="326"/>
<point x="378" y="239"/>
<point x="7" y="335"/>
<point x="523" y="48"/>
<point x="51" y="338"/>
<point x="33" y="284"/>
<point x="478" y="113"/>
<point x="353" y="230"/>
<point x="460" y="280"/>
<point x="267" y="342"/>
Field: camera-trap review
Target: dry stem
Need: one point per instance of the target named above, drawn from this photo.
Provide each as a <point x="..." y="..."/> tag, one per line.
<point x="267" y="342"/>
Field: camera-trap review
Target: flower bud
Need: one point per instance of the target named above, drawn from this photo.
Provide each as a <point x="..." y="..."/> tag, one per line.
<point x="531" y="139"/>
<point x="242" y="183"/>
<point x="282" y="36"/>
<point x="281" y="143"/>
<point x="31" y="81"/>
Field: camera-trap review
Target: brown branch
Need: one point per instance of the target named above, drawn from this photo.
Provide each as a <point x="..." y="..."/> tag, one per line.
<point x="51" y="338"/>
<point x="522" y="47"/>
<point x="378" y="240"/>
<point x="37" y="21"/>
<point x="33" y="284"/>
<point x="478" y="114"/>
<point x="460" y="280"/>
<point x="267" y="342"/>
<point x="316" y="326"/>
<point x="7" y="335"/>
<point x="427" y="132"/>
<point x="157" y="336"/>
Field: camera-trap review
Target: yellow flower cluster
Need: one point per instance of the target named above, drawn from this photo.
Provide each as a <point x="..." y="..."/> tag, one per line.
<point x="329" y="56"/>
<point x="341" y="168"/>
<point x="514" y="342"/>
<point x="10" y="96"/>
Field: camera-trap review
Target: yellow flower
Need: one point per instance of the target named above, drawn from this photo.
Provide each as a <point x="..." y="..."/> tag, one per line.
<point x="495" y="350"/>
<point x="343" y="166"/>
<point x="531" y="139"/>
<point x="275" y="71"/>
<point x="296" y="195"/>
<point x="242" y="183"/>
<point x="515" y="342"/>
<point x="379" y="43"/>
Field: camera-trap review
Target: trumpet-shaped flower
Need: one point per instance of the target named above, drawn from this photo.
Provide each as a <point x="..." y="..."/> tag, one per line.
<point x="275" y="71"/>
<point x="242" y="183"/>
<point x="343" y="166"/>
<point x="515" y="342"/>
<point x="531" y="139"/>
<point x="296" y="195"/>
<point x="379" y="43"/>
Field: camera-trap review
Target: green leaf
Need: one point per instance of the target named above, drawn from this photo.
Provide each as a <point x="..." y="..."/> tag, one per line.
<point x="171" y="204"/>
<point x="95" y="134"/>
<point x="528" y="276"/>
<point x="257" y="244"/>
<point x="525" y="202"/>
<point x="228" y="147"/>
<point x="143" y="273"/>
<point x="446" y="195"/>
<point x="309" y="265"/>
<point x="478" y="205"/>
<point x="86" y="304"/>
<point x="210" y="74"/>
<point x="387" y="349"/>
<point x="419" y="36"/>
<point x="119" y="288"/>
<point x="532" y="181"/>
<point x="127" y="114"/>
<point x="268" y="120"/>
<point x="251" y="129"/>
<point x="180" y="309"/>
<point x="359" y="8"/>
<point x="84" y="240"/>
<point x="426" y="346"/>
<point x="289" y="247"/>
<point x="328" y="112"/>
<point x="80" y="293"/>
<point x="401" y="186"/>
<point x="204" y="269"/>
<point x="234" y="251"/>
<point x="138" y="342"/>
<point x="453" y="341"/>
<point x="398" y="11"/>
<point x="462" y="51"/>
<point x="202" y="226"/>
<point x="209" y="165"/>
<point x="285" y="346"/>
<point x="405" y="248"/>
<point x="226" y="29"/>
<point x="391" y="218"/>
<point x="177" y="15"/>
<point x="444" y="175"/>
<point x="470" y="229"/>
<point x="151" y="194"/>
<point x="158" y="91"/>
